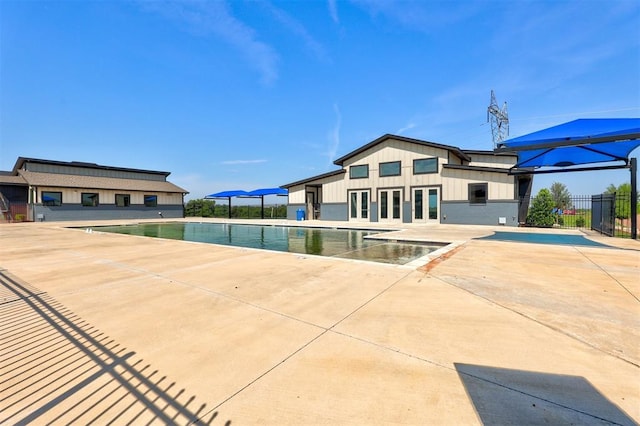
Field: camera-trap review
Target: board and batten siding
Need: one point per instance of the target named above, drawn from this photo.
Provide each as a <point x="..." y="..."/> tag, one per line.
<point x="496" y="161"/>
<point x="455" y="184"/>
<point x="333" y="190"/>
<point x="391" y="151"/>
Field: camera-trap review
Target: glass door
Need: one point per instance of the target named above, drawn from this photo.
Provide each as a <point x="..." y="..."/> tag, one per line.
<point x="390" y="205"/>
<point x="359" y="205"/>
<point x="426" y="205"/>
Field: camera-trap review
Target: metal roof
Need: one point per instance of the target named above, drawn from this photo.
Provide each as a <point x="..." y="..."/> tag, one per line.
<point x="456" y="151"/>
<point x="21" y="160"/>
<point x="97" y="182"/>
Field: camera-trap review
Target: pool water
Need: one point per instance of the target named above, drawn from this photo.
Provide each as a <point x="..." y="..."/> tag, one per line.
<point x="341" y="243"/>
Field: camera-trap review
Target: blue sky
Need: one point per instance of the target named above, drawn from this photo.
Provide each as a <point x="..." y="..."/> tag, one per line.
<point x="245" y="95"/>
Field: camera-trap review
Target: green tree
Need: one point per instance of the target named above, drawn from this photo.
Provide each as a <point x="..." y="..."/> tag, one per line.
<point x="623" y="199"/>
<point x="199" y="208"/>
<point x="561" y="196"/>
<point x="541" y="211"/>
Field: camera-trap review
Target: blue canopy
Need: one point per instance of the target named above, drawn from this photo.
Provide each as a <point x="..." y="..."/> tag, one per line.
<point x="227" y="194"/>
<point x="268" y="191"/>
<point x="578" y="142"/>
<point x="583" y="141"/>
<point x="258" y="193"/>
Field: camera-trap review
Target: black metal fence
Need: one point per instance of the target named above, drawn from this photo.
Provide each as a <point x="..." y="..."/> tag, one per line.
<point x="609" y="214"/>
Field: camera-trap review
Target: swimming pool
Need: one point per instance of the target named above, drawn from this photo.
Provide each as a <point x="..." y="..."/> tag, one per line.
<point x="341" y="243"/>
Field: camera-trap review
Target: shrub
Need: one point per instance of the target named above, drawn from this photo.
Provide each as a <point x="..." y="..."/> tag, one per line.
<point x="541" y="212"/>
<point x="580" y="221"/>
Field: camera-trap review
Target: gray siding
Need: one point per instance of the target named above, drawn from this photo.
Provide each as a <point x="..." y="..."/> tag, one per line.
<point x="373" y="212"/>
<point x="406" y="212"/>
<point x="337" y="212"/>
<point x="106" y="212"/>
<point x="292" y="210"/>
<point x="463" y="213"/>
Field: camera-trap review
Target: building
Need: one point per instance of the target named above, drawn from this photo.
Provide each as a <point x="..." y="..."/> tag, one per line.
<point x="404" y="180"/>
<point x="49" y="190"/>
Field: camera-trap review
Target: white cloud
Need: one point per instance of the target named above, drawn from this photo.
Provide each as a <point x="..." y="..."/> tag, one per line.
<point x="215" y="17"/>
<point x="236" y="162"/>
<point x="405" y="128"/>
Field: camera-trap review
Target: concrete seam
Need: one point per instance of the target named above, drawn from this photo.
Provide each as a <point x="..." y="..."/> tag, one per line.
<point x="606" y="272"/>
<point x="493" y="302"/>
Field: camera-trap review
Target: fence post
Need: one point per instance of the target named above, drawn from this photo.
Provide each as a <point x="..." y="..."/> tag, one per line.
<point x="634" y="198"/>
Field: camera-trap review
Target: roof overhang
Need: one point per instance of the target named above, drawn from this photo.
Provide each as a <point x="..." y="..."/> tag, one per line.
<point x="456" y="151"/>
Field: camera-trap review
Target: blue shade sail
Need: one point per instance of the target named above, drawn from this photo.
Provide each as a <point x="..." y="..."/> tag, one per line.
<point x="227" y="194"/>
<point x="268" y="191"/>
<point x="583" y="141"/>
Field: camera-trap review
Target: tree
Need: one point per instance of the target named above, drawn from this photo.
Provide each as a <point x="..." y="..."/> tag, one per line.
<point x="561" y="196"/>
<point x="541" y="212"/>
<point x="199" y="208"/>
<point x="623" y="199"/>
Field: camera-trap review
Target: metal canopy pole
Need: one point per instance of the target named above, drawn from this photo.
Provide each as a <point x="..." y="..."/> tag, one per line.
<point x="634" y="197"/>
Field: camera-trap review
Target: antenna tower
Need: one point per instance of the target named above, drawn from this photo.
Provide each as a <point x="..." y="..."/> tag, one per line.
<point x="499" y="121"/>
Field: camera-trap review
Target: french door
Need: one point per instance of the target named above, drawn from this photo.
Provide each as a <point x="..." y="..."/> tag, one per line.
<point x="390" y="205"/>
<point x="426" y="205"/>
<point x="359" y="205"/>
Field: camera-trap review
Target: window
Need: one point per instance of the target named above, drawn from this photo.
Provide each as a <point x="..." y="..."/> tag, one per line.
<point x="51" y="198"/>
<point x="151" y="201"/>
<point x="123" y="200"/>
<point x="425" y="165"/>
<point x="359" y="172"/>
<point x="477" y="193"/>
<point x="390" y="169"/>
<point x="89" y="199"/>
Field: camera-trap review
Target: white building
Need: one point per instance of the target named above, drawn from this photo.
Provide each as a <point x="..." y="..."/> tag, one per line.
<point x="404" y="180"/>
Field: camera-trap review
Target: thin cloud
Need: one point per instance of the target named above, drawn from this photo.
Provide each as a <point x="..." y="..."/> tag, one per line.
<point x="333" y="11"/>
<point x="420" y="15"/>
<point x="405" y="128"/>
<point x="296" y="27"/>
<point x="215" y="18"/>
<point x="237" y="162"/>
<point x="334" y="134"/>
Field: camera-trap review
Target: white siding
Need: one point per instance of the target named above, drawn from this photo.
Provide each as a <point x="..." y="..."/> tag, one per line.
<point x="489" y="160"/>
<point x="455" y="186"/>
<point x="296" y="194"/>
<point x="389" y="151"/>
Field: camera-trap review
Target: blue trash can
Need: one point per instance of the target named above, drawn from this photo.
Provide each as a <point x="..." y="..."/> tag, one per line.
<point x="300" y="214"/>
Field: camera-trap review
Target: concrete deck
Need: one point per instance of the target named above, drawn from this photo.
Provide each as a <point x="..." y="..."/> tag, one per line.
<point x="99" y="328"/>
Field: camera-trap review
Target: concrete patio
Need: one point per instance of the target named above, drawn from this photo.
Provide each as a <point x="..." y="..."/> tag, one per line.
<point x="109" y="328"/>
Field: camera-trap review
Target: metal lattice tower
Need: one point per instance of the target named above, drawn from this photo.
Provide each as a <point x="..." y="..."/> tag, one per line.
<point x="499" y="121"/>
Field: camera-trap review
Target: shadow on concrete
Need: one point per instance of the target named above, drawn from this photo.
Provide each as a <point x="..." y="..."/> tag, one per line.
<point x="56" y="368"/>
<point x="509" y="397"/>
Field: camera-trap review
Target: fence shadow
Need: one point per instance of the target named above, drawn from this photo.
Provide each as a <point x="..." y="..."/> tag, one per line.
<point x="507" y="397"/>
<point x="57" y="368"/>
